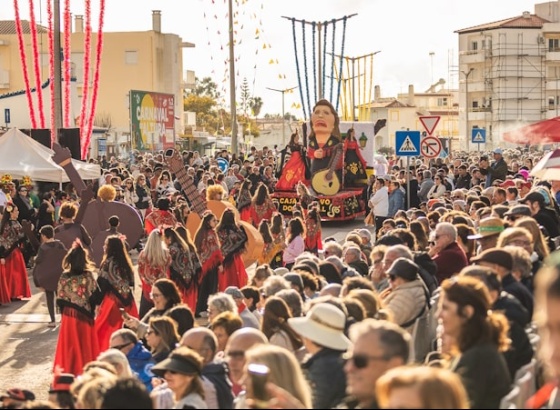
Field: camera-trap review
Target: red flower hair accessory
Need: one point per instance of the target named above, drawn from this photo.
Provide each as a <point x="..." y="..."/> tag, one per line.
<point x="77" y="243"/>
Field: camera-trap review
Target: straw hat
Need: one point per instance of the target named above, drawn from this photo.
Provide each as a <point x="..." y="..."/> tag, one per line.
<point x="324" y="324"/>
<point x="488" y="227"/>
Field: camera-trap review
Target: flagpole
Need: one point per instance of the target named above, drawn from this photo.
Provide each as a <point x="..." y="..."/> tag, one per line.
<point x="57" y="80"/>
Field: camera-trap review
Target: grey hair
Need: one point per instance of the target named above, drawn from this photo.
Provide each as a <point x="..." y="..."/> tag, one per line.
<point x="293" y="300"/>
<point x="127" y="335"/>
<point x="274" y="284"/>
<point x="334" y="248"/>
<point x="222" y="302"/>
<point x="448" y="229"/>
<point x="393" y="340"/>
<point x="521" y="260"/>
<point x="402" y="251"/>
<point x="427" y="174"/>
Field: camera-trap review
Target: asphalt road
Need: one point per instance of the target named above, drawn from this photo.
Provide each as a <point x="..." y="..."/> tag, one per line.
<point x="28" y="345"/>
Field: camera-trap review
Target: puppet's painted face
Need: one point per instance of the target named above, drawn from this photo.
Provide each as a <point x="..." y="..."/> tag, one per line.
<point x="323" y="119"/>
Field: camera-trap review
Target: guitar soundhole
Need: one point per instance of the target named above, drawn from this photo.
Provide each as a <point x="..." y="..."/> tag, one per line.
<point x="330" y="184"/>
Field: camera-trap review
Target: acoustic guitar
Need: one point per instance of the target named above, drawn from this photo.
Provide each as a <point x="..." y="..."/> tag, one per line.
<point x="255" y="242"/>
<point x="325" y="181"/>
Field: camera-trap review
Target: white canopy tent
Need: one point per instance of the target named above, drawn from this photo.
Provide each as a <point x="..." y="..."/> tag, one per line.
<point x="21" y="155"/>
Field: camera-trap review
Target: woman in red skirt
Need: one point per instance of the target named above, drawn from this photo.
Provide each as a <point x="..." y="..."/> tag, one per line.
<point x="14" y="283"/>
<point x="233" y="241"/>
<point x="115" y="282"/>
<point x="185" y="266"/>
<point x="77" y="340"/>
<point x="243" y="201"/>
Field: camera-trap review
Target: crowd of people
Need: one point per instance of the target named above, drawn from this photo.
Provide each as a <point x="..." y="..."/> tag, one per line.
<point x="447" y="298"/>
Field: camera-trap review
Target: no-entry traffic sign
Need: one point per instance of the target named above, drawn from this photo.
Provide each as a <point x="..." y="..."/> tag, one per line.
<point x="430" y="147"/>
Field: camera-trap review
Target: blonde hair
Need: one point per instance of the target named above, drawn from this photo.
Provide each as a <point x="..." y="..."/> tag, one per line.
<point x="437" y="388"/>
<point x="213" y="190"/>
<point x="107" y="193"/>
<point x="509" y="234"/>
<point x="155" y="250"/>
<point x="539" y="244"/>
<point x="117" y="359"/>
<point x="285" y="370"/>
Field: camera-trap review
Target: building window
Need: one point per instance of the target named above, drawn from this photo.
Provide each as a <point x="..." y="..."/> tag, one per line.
<point x="131" y="57"/>
<point x="474" y="46"/>
<point x="551" y="101"/>
<point x="442" y="102"/>
<point x="553" y="44"/>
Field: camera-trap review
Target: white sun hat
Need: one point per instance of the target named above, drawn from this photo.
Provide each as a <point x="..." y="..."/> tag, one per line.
<point x="323" y="325"/>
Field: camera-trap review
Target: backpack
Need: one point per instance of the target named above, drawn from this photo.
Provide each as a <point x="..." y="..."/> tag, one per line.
<point x="427" y="270"/>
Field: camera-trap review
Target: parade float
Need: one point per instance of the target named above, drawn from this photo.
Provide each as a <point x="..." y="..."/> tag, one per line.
<point x="335" y="169"/>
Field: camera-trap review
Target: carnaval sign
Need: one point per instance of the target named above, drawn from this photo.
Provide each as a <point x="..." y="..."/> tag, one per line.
<point x="152" y="117"/>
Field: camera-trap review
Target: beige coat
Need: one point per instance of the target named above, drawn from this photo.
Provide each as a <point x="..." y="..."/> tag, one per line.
<point x="406" y="301"/>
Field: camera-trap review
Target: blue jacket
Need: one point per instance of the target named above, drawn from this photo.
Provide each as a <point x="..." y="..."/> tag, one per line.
<point x="141" y="363"/>
<point x="396" y="202"/>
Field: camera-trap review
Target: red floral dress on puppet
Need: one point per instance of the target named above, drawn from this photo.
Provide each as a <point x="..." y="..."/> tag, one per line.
<point x="184" y="271"/>
<point x="77" y="340"/>
<point x="114" y="292"/>
<point x="354" y="163"/>
<point x="14" y="283"/>
<point x="294" y="169"/>
<point x="233" y="240"/>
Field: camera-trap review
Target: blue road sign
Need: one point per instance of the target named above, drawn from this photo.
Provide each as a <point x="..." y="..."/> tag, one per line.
<point x="223" y="164"/>
<point x="6" y="116"/>
<point x="478" y="136"/>
<point x="407" y="143"/>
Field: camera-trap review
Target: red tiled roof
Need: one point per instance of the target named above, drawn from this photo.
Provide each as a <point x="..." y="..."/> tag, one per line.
<point x="533" y="21"/>
<point x="9" y="27"/>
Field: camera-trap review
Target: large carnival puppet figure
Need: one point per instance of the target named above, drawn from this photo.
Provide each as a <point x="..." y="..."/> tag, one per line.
<point x="295" y="168"/>
<point x="325" y="149"/>
<point x="354" y="163"/>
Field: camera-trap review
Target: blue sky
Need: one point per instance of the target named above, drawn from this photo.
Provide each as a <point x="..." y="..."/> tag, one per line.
<point x="404" y="31"/>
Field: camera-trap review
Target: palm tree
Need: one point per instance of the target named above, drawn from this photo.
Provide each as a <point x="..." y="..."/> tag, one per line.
<point x="256" y="104"/>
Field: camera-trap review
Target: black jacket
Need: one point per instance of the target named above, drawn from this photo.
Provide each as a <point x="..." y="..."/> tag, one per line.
<point x="325" y="372"/>
<point x="217" y="373"/>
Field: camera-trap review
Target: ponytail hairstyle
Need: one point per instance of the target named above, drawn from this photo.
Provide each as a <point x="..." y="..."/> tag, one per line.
<point x="473" y="301"/>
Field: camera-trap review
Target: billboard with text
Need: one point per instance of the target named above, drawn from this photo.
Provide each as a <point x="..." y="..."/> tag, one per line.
<point x="152" y="117"/>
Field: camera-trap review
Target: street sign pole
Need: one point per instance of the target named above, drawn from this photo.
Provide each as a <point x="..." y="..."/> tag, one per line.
<point x="407" y="182"/>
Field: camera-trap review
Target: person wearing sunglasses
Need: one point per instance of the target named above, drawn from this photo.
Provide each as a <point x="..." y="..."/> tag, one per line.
<point x="377" y="347"/>
<point x="139" y="358"/>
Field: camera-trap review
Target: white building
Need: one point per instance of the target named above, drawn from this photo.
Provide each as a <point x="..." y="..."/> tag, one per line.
<point x="509" y="73"/>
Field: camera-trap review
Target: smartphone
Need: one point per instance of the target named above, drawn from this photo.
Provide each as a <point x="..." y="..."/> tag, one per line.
<point x="169" y="152"/>
<point x="258" y="373"/>
<point x="124" y="314"/>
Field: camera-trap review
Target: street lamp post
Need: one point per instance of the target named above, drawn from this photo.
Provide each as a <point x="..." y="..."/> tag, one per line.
<point x="466" y="74"/>
<point x="284" y="91"/>
<point x="234" y="143"/>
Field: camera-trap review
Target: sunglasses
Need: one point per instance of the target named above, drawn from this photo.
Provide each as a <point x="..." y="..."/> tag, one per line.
<point x="120" y="347"/>
<point x="361" y="361"/>
<point x="236" y="354"/>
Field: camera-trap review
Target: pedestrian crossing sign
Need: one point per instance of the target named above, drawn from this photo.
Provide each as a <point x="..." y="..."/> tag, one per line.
<point x="407" y="143"/>
<point x="478" y="136"/>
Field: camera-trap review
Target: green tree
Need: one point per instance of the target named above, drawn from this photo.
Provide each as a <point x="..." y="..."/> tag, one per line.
<point x="256" y="106"/>
<point x="203" y="101"/>
<point x="245" y="96"/>
<point x="206" y="87"/>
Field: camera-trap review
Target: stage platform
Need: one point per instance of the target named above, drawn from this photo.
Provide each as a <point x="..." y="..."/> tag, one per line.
<point x="346" y="205"/>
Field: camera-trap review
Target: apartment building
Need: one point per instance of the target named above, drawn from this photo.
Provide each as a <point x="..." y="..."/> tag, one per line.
<point x="509" y="72"/>
<point x="148" y="60"/>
